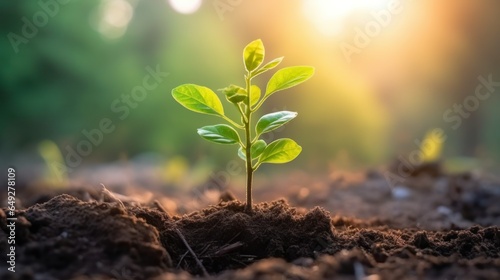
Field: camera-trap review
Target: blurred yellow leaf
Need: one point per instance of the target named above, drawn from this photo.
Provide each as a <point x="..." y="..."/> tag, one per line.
<point x="56" y="174"/>
<point x="175" y="170"/>
<point x="432" y="146"/>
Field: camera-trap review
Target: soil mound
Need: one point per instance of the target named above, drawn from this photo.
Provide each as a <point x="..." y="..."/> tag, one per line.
<point x="65" y="237"/>
<point x="226" y="237"/>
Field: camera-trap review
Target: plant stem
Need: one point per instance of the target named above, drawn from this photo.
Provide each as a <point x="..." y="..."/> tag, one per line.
<point x="248" y="206"/>
<point x="232" y="122"/>
<point x="248" y="146"/>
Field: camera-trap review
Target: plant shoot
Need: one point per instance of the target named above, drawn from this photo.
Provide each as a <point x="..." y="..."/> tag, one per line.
<point x="248" y="99"/>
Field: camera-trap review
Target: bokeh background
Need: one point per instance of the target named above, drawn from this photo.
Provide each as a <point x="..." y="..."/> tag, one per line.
<point x="386" y="74"/>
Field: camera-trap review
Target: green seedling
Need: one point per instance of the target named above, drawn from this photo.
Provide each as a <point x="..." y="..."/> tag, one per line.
<point x="247" y="100"/>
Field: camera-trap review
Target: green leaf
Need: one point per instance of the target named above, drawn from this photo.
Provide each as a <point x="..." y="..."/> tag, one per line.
<point x="241" y="154"/>
<point x="280" y="151"/>
<point x="288" y="77"/>
<point x="255" y="94"/>
<point x="219" y="133"/>
<point x="272" y="121"/>
<point x="234" y="94"/>
<point x="270" y="65"/>
<point x="253" y="55"/>
<point x="198" y="99"/>
<point x="256" y="150"/>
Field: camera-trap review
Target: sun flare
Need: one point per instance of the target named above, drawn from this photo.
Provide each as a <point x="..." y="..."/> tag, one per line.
<point x="185" y="6"/>
<point x="328" y="15"/>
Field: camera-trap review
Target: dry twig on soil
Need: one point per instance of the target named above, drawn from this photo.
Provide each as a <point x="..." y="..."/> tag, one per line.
<point x="205" y="273"/>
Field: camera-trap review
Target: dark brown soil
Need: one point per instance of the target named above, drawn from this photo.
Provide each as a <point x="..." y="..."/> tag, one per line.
<point x="66" y="238"/>
<point x="88" y="235"/>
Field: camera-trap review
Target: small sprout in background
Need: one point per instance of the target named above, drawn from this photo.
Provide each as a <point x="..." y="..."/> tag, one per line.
<point x="56" y="170"/>
<point x="248" y="99"/>
<point x="432" y="146"/>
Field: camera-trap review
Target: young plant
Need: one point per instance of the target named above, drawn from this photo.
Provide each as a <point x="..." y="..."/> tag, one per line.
<point x="248" y="100"/>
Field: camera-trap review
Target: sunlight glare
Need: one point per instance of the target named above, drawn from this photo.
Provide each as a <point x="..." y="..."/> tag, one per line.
<point x="185" y="6"/>
<point x="115" y="15"/>
<point x="329" y="15"/>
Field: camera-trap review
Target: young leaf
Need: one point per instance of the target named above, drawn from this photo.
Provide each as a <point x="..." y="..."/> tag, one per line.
<point x="272" y="121"/>
<point x="253" y="55"/>
<point x="241" y="154"/>
<point x="280" y="151"/>
<point x="234" y="94"/>
<point x="270" y="65"/>
<point x="288" y="77"/>
<point x="256" y="150"/>
<point x="219" y="133"/>
<point x="198" y="99"/>
<point x="254" y="95"/>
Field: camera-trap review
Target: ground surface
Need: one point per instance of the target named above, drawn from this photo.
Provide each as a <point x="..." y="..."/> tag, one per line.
<point x="347" y="226"/>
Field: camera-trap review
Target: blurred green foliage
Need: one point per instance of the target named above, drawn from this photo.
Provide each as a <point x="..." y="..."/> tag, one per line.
<point x="66" y="77"/>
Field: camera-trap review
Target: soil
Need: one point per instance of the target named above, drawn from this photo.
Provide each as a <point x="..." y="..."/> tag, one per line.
<point x="432" y="226"/>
